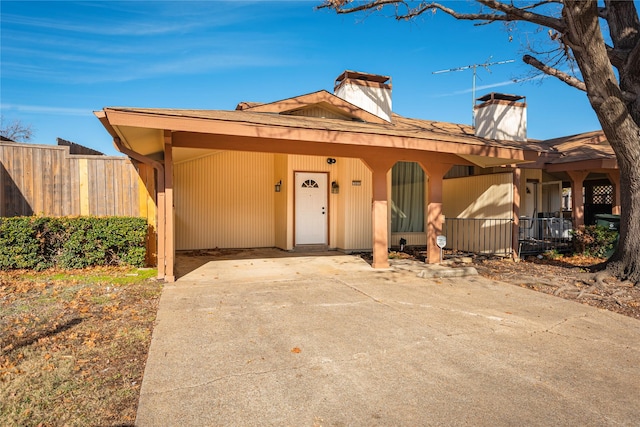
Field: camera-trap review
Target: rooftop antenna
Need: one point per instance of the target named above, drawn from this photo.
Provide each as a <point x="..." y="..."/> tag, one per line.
<point x="474" y="67"/>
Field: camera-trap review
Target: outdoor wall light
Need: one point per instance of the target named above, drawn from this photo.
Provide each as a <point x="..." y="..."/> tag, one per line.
<point x="278" y="186"/>
<point x="335" y="188"/>
<point x="331" y="160"/>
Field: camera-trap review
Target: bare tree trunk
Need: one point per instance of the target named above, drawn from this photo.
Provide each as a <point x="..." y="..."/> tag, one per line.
<point x="584" y="36"/>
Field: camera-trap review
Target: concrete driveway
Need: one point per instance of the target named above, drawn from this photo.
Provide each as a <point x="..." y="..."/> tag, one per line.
<point x="328" y="341"/>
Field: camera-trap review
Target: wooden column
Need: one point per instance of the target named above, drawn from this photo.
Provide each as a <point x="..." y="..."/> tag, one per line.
<point x="436" y="171"/>
<point x="379" y="167"/>
<point x="169" y="237"/>
<point x="515" y="235"/>
<point x="614" y="177"/>
<point x="577" y="194"/>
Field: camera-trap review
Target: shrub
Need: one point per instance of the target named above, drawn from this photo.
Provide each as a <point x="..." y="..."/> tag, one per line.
<point x="41" y="242"/>
<point x="593" y="240"/>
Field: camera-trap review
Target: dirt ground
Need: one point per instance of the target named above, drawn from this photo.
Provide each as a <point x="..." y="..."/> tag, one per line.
<point x="565" y="277"/>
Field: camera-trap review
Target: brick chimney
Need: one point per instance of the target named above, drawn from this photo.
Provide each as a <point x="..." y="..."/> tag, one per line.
<point x="371" y="92"/>
<point x="502" y="117"/>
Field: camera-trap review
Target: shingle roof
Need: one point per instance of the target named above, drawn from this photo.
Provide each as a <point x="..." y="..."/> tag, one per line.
<point x="401" y="126"/>
<point x="581" y="147"/>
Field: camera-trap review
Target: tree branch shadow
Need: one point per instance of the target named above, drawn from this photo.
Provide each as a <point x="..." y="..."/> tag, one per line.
<point x="46" y="333"/>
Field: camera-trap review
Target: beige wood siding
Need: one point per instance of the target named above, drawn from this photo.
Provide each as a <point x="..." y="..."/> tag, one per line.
<point x="318" y="112"/>
<point x="225" y="200"/>
<point x="354" y="225"/>
<point x="281" y="173"/>
<point x="484" y="205"/>
<point x="483" y="196"/>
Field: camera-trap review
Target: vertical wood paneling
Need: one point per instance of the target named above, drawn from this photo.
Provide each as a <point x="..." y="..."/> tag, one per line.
<point x="56" y="167"/>
<point x="38" y="203"/>
<point x="353" y="206"/>
<point x="357" y="207"/>
<point x="281" y="219"/>
<point x="66" y="190"/>
<point x="225" y="200"/>
<point x="482" y="196"/>
<point x="479" y="197"/>
<point x="46" y="180"/>
<point x="83" y="180"/>
<point x="27" y="180"/>
<point x="47" y="184"/>
<point x="74" y="187"/>
<point x="318" y="112"/>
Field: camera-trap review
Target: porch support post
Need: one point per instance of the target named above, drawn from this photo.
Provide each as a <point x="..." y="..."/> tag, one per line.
<point x="169" y="221"/>
<point x="614" y="177"/>
<point x="379" y="167"/>
<point x="160" y="224"/>
<point x="436" y="172"/>
<point x="577" y="204"/>
<point x="515" y="234"/>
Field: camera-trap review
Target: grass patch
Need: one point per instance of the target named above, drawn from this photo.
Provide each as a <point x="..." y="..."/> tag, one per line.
<point x="73" y="345"/>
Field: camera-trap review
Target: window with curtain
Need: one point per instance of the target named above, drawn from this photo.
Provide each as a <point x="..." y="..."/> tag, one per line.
<point x="407" y="198"/>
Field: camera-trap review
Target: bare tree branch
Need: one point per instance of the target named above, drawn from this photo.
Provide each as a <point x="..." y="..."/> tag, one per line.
<point x="614" y="97"/>
<point x="550" y="71"/>
<point x="504" y="12"/>
<point x="15" y="131"/>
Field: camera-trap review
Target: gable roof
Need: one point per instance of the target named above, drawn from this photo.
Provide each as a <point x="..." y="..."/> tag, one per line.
<point x="320" y="98"/>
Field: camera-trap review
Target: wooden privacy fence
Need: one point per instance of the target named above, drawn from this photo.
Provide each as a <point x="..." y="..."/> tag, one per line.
<point x="48" y="180"/>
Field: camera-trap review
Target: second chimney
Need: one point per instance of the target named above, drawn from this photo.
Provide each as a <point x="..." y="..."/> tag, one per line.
<point x="501" y="117"/>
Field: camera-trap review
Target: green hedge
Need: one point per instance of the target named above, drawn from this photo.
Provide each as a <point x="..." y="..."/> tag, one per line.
<point x="42" y="242"/>
<point x="594" y="240"/>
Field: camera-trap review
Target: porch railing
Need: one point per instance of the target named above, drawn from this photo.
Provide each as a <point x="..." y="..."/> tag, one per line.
<point x="539" y="235"/>
<point x="479" y="235"/>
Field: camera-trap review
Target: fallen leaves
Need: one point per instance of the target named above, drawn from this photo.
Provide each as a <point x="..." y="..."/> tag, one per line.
<point x="72" y="348"/>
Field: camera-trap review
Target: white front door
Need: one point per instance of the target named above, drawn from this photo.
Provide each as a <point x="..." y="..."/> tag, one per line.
<point x="311" y="208"/>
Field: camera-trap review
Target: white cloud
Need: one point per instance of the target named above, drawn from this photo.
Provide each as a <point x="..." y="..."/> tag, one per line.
<point x="41" y="109"/>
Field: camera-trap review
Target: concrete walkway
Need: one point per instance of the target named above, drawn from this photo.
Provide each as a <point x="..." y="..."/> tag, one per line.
<point x="328" y="341"/>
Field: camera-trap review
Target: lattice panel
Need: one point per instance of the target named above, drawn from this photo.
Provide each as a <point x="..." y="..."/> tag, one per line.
<point x="603" y="195"/>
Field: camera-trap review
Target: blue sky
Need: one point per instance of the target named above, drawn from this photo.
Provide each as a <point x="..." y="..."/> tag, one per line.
<point x="62" y="60"/>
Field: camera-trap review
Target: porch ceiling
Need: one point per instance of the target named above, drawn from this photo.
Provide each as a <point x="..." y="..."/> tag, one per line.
<point x="142" y="131"/>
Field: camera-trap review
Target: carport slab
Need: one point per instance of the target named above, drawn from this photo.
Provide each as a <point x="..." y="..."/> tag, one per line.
<point x="315" y="341"/>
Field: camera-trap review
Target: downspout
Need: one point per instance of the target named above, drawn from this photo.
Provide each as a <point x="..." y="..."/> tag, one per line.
<point x="159" y="167"/>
